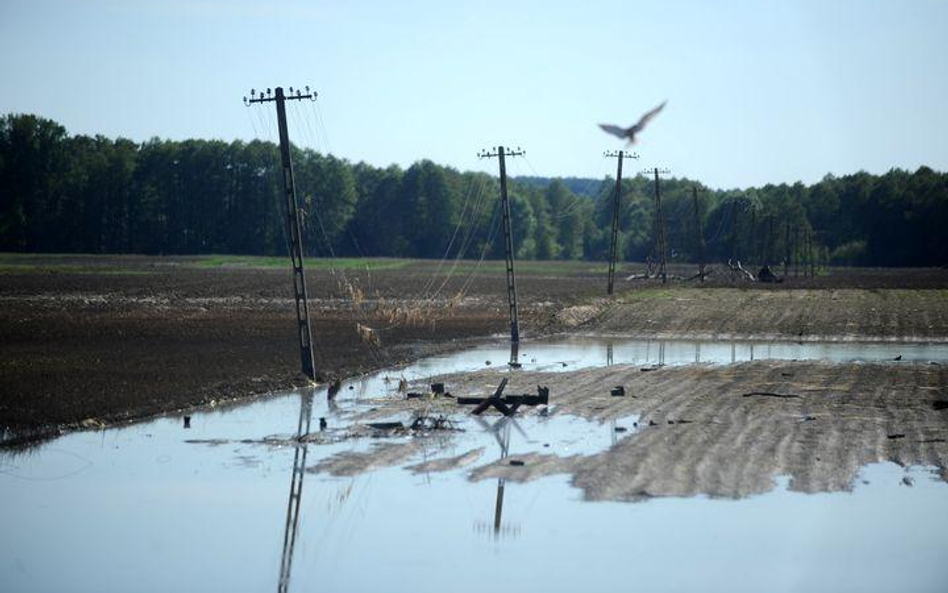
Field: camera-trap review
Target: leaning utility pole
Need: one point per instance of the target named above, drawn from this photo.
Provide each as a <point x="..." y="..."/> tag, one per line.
<point x="618" y="154"/>
<point x="660" y="222"/>
<point x="292" y="221"/>
<point x="500" y="153"/>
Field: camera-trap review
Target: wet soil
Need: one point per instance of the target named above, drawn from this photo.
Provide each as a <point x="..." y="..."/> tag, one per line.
<point x="87" y="340"/>
<point x="720" y="431"/>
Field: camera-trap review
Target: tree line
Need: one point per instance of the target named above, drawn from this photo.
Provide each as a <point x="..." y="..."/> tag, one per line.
<point x="76" y="193"/>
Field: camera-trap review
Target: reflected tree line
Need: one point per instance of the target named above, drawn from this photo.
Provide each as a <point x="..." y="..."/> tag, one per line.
<point x="90" y="194"/>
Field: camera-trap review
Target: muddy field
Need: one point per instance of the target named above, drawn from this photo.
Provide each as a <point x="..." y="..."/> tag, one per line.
<point x="88" y="341"/>
<point x="725" y="431"/>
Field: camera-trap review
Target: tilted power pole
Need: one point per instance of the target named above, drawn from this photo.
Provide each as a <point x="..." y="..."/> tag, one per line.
<point x="292" y="220"/>
<point x="501" y="153"/>
<point x="618" y="155"/>
<point x="660" y="222"/>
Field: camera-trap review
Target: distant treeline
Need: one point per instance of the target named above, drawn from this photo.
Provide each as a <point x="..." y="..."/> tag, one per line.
<point x="62" y="193"/>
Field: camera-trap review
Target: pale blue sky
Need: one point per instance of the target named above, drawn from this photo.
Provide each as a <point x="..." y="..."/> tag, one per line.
<point x="758" y="91"/>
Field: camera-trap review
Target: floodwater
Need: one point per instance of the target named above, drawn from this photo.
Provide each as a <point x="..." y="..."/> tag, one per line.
<point x="571" y="353"/>
<point x="229" y="505"/>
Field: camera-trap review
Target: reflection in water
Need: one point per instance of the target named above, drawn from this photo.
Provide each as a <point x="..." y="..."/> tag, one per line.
<point x="296" y="490"/>
<point x="500" y="430"/>
<point x="609" y="355"/>
<point x="514" y="354"/>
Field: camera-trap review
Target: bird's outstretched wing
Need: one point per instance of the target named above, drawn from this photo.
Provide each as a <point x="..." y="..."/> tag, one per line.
<point x="615" y="130"/>
<point x="646" y="118"/>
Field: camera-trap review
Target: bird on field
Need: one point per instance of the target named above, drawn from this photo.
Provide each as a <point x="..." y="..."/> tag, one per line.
<point x="629" y="133"/>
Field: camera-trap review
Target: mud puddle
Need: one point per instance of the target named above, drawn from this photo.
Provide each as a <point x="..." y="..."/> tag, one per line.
<point x="239" y="502"/>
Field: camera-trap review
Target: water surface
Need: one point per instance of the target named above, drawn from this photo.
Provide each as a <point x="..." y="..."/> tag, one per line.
<point x="145" y="508"/>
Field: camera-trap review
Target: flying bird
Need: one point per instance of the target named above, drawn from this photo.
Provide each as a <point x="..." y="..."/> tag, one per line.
<point x="629" y="133"/>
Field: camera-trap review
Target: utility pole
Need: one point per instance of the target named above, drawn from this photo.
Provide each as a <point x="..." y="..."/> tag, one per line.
<point x="660" y="221"/>
<point x="501" y="154"/>
<point x="699" y="236"/>
<point x="293" y="220"/>
<point x="619" y="155"/>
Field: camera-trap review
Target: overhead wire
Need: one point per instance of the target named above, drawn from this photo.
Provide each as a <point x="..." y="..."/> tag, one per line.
<point x="432" y="278"/>
<point x="348" y="288"/>
<point x="466" y="241"/>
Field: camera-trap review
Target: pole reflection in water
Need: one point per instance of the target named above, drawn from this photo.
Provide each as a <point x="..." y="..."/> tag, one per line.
<point x="501" y="433"/>
<point x="609" y="357"/>
<point x="296" y="490"/>
<point x="514" y="354"/>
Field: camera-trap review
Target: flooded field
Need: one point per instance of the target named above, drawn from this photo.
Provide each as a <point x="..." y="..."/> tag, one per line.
<point x="237" y="502"/>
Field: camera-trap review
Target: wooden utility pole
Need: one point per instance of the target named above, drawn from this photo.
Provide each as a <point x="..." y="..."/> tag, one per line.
<point x="660" y="222"/>
<point x="501" y="153"/>
<point x="619" y="155"/>
<point x="293" y="220"/>
<point x="699" y="236"/>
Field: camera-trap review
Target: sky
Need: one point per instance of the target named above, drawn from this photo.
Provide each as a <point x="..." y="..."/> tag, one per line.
<point x="758" y="91"/>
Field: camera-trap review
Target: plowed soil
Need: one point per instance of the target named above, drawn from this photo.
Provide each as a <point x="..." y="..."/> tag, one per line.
<point x="88" y="340"/>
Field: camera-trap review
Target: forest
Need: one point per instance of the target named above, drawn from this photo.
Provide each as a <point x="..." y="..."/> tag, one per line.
<point x="67" y="193"/>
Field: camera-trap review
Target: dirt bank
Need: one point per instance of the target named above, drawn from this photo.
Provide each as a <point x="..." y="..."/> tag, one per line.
<point x="804" y="314"/>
